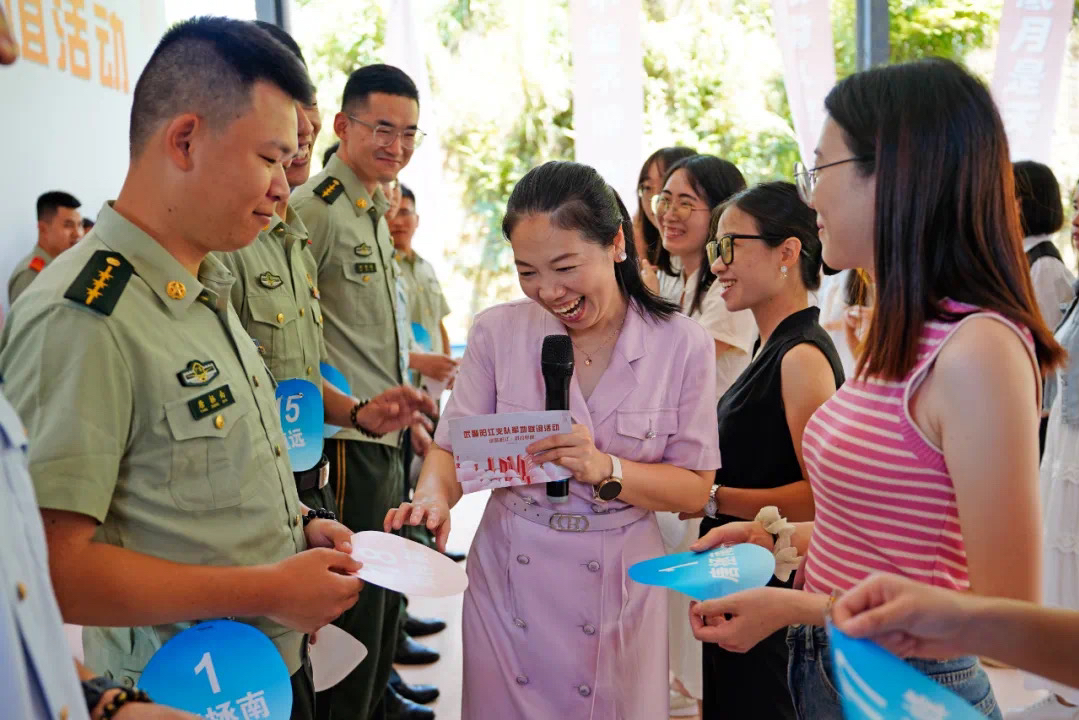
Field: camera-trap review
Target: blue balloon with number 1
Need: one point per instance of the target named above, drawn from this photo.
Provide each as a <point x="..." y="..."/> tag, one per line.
<point x="300" y="405"/>
<point x="220" y="669"/>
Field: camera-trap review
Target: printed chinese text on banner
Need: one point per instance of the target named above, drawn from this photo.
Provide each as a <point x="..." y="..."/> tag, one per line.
<point x="1026" y="80"/>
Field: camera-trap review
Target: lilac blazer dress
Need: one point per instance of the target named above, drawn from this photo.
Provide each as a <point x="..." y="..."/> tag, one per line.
<point x="554" y="629"/>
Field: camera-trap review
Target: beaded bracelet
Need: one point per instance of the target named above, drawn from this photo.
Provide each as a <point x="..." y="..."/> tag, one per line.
<point x="120" y="699"/>
<point x="352" y="416"/>
<point x="318" y="514"/>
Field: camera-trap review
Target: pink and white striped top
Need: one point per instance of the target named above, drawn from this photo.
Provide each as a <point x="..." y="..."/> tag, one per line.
<point x="884" y="498"/>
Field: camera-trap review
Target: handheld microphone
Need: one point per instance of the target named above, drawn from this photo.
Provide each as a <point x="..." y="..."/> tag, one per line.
<point x="556" y="362"/>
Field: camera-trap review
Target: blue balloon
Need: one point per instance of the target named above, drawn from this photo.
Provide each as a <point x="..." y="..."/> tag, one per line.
<point x="220" y="669"/>
<point x="423" y="338"/>
<point x="299" y="403"/>
<point x="875" y="684"/>
<point x="704" y="576"/>
<point x="334" y="377"/>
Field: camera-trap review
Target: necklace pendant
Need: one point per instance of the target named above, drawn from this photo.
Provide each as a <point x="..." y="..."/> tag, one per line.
<point x="588" y="361"/>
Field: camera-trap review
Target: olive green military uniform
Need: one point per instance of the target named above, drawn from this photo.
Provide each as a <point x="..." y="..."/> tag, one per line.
<point x="351" y="244"/>
<point x="25" y="272"/>
<point x="277" y="300"/>
<point x="149" y="409"/>
<point x="427" y="304"/>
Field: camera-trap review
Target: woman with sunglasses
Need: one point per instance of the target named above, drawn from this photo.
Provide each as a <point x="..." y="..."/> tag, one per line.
<point x="925" y="463"/>
<point x="661" y="273"/>
<point x="767" y="258"/>
<point x="692" y="188"/>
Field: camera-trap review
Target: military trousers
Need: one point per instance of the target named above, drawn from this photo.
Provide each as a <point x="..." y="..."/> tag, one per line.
<point x="367" y="480"/>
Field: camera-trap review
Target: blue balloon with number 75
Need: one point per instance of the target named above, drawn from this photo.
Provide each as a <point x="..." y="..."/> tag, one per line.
<point x="300" y="405"/>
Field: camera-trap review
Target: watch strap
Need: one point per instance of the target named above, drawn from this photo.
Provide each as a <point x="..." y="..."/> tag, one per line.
<point x="616" y="467"/>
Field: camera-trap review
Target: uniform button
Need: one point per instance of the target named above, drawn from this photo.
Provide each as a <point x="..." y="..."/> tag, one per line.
<point x="593" y="566"/>
<point x="308" y="369"/>
<point x="296" y="521"/>
<point x="523" y="559"/>
<point x="277" y="450"/>
<point x="255" y="379"/>
<point x="20" y="591"/>
<point x="128" y="682"/>
<point x="584" y="690"/>
<point x="301" y="312"/>
<point x="280" y="317"/>
<point x="522" y="680"/>
<point x="520" y="623"/>
<point x="589" y="629"/>
<point x="219" y="422"/>
<point x="64" y="713"/>
<point x="319" y="319"/>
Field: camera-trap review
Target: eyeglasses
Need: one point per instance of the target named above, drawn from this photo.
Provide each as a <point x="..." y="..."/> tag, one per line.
<point x="807" y="177"/>
<point x="385" y="134"/>
<point x="722" y="248"/>
<point x="662" y="204"/>
<point x="644" y="190"/>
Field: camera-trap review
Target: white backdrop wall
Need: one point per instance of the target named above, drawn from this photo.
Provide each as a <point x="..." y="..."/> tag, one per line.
<point x="65" y="106"/>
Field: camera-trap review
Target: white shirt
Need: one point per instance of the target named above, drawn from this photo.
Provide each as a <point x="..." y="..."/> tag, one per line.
<point x="1053" y="283"/>
<point x="737" y="329"/>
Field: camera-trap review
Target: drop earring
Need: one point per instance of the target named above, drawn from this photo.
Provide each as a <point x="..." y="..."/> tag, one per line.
<point x="783" y="271"/>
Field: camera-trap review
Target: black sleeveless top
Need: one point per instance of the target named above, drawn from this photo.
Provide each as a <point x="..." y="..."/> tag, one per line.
<point x="755" y="442"/>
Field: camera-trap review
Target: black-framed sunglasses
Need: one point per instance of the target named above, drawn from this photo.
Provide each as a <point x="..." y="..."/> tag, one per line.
<point x="806" y="178"/>
<point x="722" y="248"/>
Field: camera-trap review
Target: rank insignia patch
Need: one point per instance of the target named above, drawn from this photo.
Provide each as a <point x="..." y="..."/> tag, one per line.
<point x="269" y="280"/>
<point x="211" y="402"/>
<point x="364" y="250"/>
<point x="329" y="189"/>
<point x="197" y="374"/>
<point x="101" y="282"/>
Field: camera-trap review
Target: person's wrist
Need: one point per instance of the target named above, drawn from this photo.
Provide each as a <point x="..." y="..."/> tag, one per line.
<point x="108" y="696"/>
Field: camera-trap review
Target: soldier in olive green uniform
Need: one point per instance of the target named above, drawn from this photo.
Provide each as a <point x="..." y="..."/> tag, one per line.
<point x="58" y="228"/>
<point x="343" y="210"/>
<point x="155" y="446"/>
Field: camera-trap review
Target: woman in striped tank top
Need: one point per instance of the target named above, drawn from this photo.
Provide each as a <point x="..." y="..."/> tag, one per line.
<point x="925" y="464"/>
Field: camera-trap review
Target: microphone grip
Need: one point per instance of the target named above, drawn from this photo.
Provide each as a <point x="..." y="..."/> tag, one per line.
<point x="557" y="386"/>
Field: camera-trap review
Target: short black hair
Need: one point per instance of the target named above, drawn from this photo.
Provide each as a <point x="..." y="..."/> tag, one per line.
<point x="281" y="36"/>
<point x="329" y="153"/>
<point x="208" y="65"/>
<point x="406" y="192"/>
<point x="385" y="79"/>
<point x="48" y="203"/>
<point x="87" y="224"/>
<point x="1041" y="211"/>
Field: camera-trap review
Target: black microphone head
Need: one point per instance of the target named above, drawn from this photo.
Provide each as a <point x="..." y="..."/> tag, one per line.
<point x="557" y="350"/>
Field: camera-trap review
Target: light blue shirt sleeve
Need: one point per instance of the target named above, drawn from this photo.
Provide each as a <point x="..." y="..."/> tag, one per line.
<point x="37" y="672"/>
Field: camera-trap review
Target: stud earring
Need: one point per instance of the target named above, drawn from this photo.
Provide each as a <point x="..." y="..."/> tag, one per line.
<point x="622" y="256"/>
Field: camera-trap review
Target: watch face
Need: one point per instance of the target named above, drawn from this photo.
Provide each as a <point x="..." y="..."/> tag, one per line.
<point x="610" y="489"/>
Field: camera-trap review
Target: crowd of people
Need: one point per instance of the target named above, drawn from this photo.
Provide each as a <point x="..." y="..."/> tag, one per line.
<point x="851" y="369"/>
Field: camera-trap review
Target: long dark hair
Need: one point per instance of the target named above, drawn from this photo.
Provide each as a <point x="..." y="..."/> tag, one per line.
<point x="946" y="223"/>
<point x="714" y="180"/>
<point x="577" y="198"/>
<point x="780" y="214"/>
<point x="663" y="158"/>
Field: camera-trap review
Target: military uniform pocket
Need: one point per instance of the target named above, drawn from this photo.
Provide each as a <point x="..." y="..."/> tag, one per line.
<point x="370" y="296"/>
<point x="272" y="326"/>
<point x="208" y="431"/>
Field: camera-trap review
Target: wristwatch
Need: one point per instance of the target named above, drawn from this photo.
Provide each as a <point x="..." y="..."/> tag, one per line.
<point x="711" y="508"/>
<point x="610" y="488"/>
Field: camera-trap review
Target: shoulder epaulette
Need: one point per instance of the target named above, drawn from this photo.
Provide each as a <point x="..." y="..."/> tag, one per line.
<point x="329" y="189"/>
<point x="101" y="282"/>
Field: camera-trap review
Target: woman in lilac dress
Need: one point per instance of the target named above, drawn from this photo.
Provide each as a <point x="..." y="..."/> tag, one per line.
<point x="553" y="626"/>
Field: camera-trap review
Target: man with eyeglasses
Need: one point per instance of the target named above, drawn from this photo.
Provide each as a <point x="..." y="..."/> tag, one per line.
<point x="343" y="208"/>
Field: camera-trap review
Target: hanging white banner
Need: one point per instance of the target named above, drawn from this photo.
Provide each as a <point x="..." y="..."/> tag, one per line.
<point x="1026" y="80"/>
<point x="608" y="89"/>
<point x="803" y="31"/>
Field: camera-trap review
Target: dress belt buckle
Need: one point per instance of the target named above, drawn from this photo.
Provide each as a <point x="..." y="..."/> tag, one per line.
<point x="323" y="475"/>
<point x="564" y="522"/>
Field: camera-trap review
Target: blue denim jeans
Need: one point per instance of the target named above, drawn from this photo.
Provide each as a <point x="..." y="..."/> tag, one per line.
<point x="816" y="698"/>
